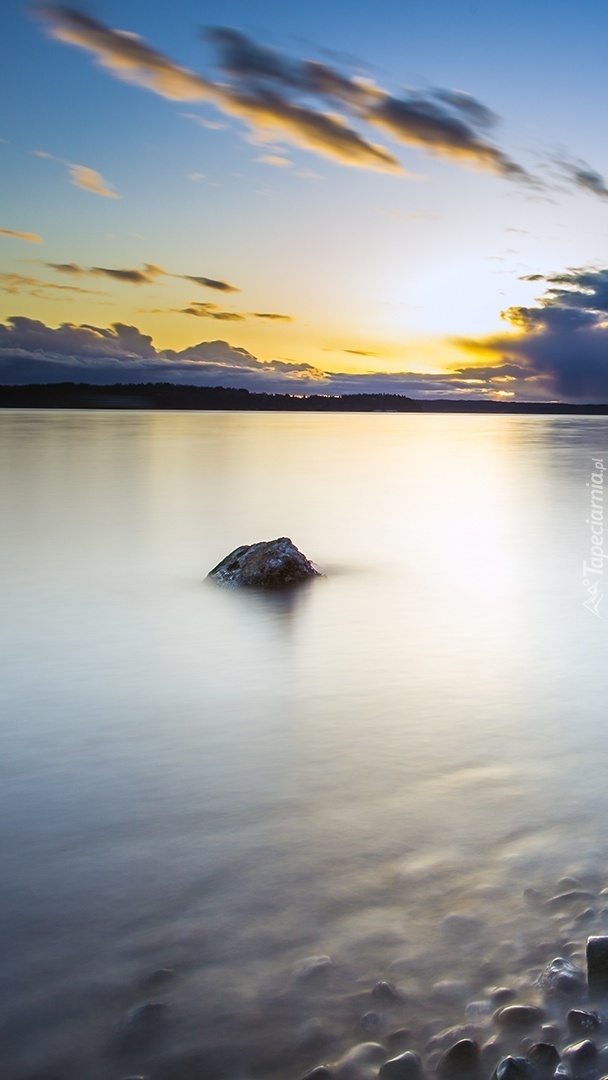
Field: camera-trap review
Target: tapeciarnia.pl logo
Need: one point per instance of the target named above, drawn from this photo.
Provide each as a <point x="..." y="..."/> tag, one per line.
<point x="593" y="570"/>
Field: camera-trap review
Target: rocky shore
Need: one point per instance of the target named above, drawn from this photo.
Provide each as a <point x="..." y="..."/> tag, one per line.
<point x="558" y="1029"/>
<point x="536" y="1016"/>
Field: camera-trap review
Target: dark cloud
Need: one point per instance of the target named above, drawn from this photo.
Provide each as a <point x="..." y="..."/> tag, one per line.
<point x="271" y="316"/>
<point x="421" y="122"/>
<point x="66" y="268"/>
<point x="132" y="277"/>
<point x="581" y="175"/>
<point x="211" y="311"/>
<point x="466" y="104"/>
<point x="32" y="352"/>
<point x="255" y="66"/>
<point x="16" y="284"/>
<point x="561" y="344"/>
<point x="209" y="283"/>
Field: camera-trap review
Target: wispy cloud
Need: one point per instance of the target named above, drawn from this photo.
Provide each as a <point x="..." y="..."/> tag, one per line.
<point x="136" y="276"/>
<point x="209" y="283"/>
<point x="90" y="180"/>
<point x="447" y="123"/>
<point x="124" y="55"/>
<point x="274" y="159"/>
<point x="210" y="311"/>
<point x="581" y="175"/>
<point x="82" y="176"/>
<point x="21" y="284"/>
<point x="29" y="237"/>
<point x="281" y="97"/>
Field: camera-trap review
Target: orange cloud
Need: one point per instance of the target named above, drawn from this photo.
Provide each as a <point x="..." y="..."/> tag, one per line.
<point x="29" y="237"/>
<point x="90" y="180"/>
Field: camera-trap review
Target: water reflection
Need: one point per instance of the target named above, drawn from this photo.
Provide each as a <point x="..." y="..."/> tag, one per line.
<point x="225" y="783"/>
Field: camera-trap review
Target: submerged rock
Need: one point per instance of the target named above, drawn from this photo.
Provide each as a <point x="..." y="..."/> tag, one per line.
<point x="270" y="564"/>
<point x="140" y="1027"/>
<point x="407" y="1066"/>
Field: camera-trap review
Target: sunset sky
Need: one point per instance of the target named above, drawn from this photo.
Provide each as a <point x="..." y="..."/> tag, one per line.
<point x="334" y="197"/>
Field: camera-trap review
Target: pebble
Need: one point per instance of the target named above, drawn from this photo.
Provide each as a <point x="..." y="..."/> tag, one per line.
<point x="565" y="899"/>
<point x="490" y="1053"/>
<point x="463" y="1057"/>
<point x="545" y="1057"/>
<point x="519" y="1016"/>
<point x="457" y="924"/>
<point x="369" y="1024"/>
<point x="140" y="1026"/>
<point x="501" y="994"/>
<point x="158" y="978"/>
<point x="580" y="1057"/>
<point x="313" y="969"/>
<point x="407" y="1066"/>
<point x="396" y="1039"/>
<point x="597" y="964"/>
<point x="449" y="990"/>
<point x="478" y="1010"/>
<point x="515" y="1068"/>
<point x="561" y="978"/>
<point x="386" y="993"/>
<point x="310" y="1033"/>
<point x="584" y="916"/>
<point x="582" y="1022"/>
<point x="550" y="1033"/>
<point x="359" y="1060"/>
<point x="444" y="1039"/>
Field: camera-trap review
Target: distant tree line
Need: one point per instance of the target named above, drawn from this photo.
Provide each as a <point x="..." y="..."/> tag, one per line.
<point x="162" y="395"/>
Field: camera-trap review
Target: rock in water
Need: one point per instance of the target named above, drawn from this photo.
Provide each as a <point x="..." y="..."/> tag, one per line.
<point x="270" y="564"/>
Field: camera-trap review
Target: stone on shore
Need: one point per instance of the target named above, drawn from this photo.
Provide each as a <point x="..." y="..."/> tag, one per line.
<point x="581" y="1021"/>
<point x="519" y="1016"/>
<point x="407" y="1066"/>
<point x="515" y="1068"/>
<point x="269" y="564"/>
<point x="462" y="1059"/>
<point x="544" y="1057"/>
<point x="561" y="978"/>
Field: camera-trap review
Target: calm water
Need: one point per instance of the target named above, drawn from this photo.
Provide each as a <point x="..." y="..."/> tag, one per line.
<point x="225" y="785"/>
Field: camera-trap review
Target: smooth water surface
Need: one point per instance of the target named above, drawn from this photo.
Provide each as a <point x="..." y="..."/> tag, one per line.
<point x="225" y="784"/>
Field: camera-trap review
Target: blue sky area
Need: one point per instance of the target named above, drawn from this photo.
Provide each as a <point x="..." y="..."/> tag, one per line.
<point x="330" y="198"/>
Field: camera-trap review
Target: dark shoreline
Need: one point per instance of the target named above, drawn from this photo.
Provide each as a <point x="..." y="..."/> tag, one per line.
<point x="162" y="395"/>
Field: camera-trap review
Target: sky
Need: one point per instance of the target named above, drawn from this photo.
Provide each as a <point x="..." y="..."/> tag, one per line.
<point x="330" y="198"/>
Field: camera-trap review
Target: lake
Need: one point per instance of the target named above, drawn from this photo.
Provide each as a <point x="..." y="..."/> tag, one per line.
<point x="396" y="768"/>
